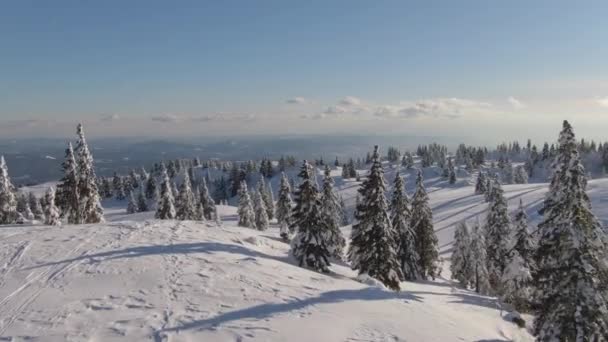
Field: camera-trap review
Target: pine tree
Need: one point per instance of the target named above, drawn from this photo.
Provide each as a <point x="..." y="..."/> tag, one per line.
<point x="261" y="216"/>
<point x="51" y="212"/>
<point x="343" y="213"/>
<point x="451" y="172"/>
<point x="185" y="204"/>
<point x="516" y="280"/>
<point x="480" y="185"/>
<point x="309" y="246"/>
<point x="372" y="248"/>
<point x="498" y="233"/>
<point x="142" y="203"/>
<point x="245" y="211"/>
<point x="422" y="224"/>
<point x="90" y="205"/>
<point x="206" y="200"/>
<point x="330" y="212"/>
<point x="8" y="202"/>
<point x="461" y="266"/>
<point x="23" y="207"/>
<point x="165" y="209"/>
<point x="571" y="276"/>
<point x="521" y="175"/>
<point x="481" y="278"/>
<point x="284" y="206"/>
<point x="132" y="205"/>
<point x="268" y="203"/>
<point x="36" y="207"/>
<point x="68" y="196"/>
<point x="405" y="237"/>
<point x="119" y="188"/>
<point x="151" y="188"/>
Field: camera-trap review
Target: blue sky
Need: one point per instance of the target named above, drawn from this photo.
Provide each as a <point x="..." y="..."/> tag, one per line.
<point x="259" y="67"/>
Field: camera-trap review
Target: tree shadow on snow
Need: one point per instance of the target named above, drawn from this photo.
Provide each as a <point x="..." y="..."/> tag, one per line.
<point x="271" y="309"/>
<point x="179" y="248"/>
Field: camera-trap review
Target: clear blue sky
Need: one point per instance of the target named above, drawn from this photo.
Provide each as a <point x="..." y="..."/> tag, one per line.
<point x="231" y="66"/>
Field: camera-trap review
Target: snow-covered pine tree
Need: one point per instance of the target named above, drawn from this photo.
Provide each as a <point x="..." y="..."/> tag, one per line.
<point x="245" y="210"/>
<point x="372" y="248"/>
<point x="23" y="207"/>
<point x="165" y="209"/>
<point x="480" y="281"/>
<point x="36" y="207"/>
<point x="498" y="233"/>
<point x="68" y="197"/>
<point x="284" y="205"/>
<point x="206" y="200"/>
<point x="521" y="175"/>
<point x="185" y="204"/>
<point x="261" y="216"/>
<point x="142" y="203"/>
<point x="344" y="213"/>
<point x="451" y="171"/>
<point x="8" y="202"/>
<point x="571" y="273"/>
<point x="151" y="188"/>
<point x="309" y="246"/>
<point x="405" y="238"/>
<point x="119" y="188"/>
<point x="263" y="190"/>
<point x="51" y="212"/>
<point x="461" y="266"/>
<point x="516" y="280"/>
<point x="523" y="239"/>
<point x="271" y="209"/>
<point x="481" y="184"/>
<point x="90" y="204"/>
<point x="132" y="205"/>
<point x="422" y="224"/>
<point x="330" y="211"/>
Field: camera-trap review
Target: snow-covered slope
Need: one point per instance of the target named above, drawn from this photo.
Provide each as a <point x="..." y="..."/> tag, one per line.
<point x="136" y="278"/>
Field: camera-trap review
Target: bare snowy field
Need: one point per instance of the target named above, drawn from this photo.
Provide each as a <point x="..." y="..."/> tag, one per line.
<point x="135" y="278"/>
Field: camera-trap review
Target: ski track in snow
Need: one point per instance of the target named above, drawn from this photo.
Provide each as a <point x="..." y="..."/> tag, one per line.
<point x="142" y="279"/>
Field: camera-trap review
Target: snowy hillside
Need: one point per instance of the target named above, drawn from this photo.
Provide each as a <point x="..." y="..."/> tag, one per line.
<point x="136" y="278"/>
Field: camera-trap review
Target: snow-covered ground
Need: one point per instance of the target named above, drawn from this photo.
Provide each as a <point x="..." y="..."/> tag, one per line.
<point x="136" y="278"/>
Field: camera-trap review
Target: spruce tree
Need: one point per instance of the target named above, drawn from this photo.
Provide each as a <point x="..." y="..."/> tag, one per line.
<point x="206" y="200"/>
<point x="405" y="238"/>
<point x="310" y="245"/>
<point x="268" y="202"/>
<point x="8" y="202"/>
<point x="245" y="210"/>
<point x="36" y="207"/>
<point x="142" y="203"/>
<point x="498" y="233"/>
<point x="165" y="209"/>
<point x="461" y="265"/>
<point x="119" y="188"/>
<point x="151" y="188"/>
<point x="132" y="205"/>
<point x="331" y="213"/>
<point x="372" y="248"/>
<point x="481" y="278"/>
<point x="185" y="203"/>
<point x="571" y="275"/>
<point x="261" y="216"/>
<point x="51" y="212"/>
<point x="23" y="207"/>
<point x="91" y="209"/>
<point x="481" y="184"/>
<point x="284" y="205"/>
<point x="451" y="172"/>
<point x="422" y="224"/>
<point x="68" y="197"/>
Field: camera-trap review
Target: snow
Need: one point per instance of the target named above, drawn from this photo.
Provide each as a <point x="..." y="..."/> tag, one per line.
<point x="136" y="278"/>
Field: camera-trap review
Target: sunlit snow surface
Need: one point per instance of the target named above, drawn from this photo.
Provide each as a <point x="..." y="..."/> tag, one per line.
<point x="136" y="278"/>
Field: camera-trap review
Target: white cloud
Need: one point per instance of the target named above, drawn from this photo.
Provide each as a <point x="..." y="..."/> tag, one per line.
<point x="172" y="118"/>
<point x="335" y="110"/>
<point x="603" y="102"/>
<point x="515" y="103"/>
<point x="450" y="108"/>
<point x="297" y="100"/>
<point x="109" y="117"/>
<point x="350" y="101"/>
<point x="223" y="117"/>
